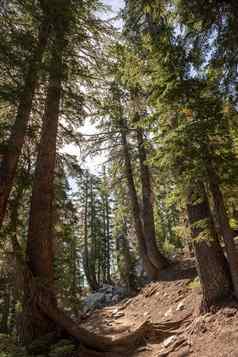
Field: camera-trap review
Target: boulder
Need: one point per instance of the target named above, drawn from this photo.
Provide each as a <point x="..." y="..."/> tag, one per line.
<point x="105" y="296"/>
<point x="106" y="288"/>
<point x="115" y="299"/>
<point x="93" y="301"/>
<point x="108" y="298"/>
<point x="120" y="291"/>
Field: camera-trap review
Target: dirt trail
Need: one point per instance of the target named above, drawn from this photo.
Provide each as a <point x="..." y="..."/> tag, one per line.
<point x="171" y="306"/>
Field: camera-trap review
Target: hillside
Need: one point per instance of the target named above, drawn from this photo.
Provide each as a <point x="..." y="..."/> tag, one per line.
<point x="174" y="303"/>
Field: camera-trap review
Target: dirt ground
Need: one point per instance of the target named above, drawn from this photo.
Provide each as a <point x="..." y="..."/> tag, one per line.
<point x="173" y="302"/>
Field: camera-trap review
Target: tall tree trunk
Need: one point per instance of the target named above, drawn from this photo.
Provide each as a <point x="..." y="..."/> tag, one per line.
<point x="10" y="158"/>
<point x="223" y="221"/>
<point x="86" y="264"/>
<point x="5" y="307"/>
<point x="108" y="250"/>
<point x="125" y="261"/>
<point x="156" y="257"/>
<point x="150" y="269"/>
<point x="212" y="266"/>
<point x="104" y="243"/>
<point x="40" y="253"/>
<point x="93" y="248"/>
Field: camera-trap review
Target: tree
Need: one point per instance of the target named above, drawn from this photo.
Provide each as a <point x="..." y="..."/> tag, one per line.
<point x="150" y="269"/>
<point x="182" y="119"/>
<point x="212" y="266"/>
<point x="154" y="254"/>
<point x="15" y="143"/>
<point x="40" y="251"/>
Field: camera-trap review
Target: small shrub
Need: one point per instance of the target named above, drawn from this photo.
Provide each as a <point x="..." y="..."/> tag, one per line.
<point x="194" y="284"/>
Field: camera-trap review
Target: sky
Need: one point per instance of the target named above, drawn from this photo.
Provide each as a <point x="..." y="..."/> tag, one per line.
<point x="94" y="164"/>
<point x="115" y="4"/>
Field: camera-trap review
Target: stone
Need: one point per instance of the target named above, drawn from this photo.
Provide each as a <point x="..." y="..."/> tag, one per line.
<point x="168" y="341"/>
<point x="115" y="299"/>
<point x="168" y="313"/>
<point x="180" y="306"/>
<point x="93" y="301"/>
<point x="108" y="297"/>
<point x="106" y="288"/>
<point x="105" y="296"/>
<point x="118" y="315"/>
<point x="229" y="312"/>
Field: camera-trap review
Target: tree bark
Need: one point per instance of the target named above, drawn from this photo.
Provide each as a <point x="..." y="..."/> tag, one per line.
<point x="150" y="269"/>
<point x="108" y="236"/>
<point x="156" y="257"/>
<point x="212" y="266"/>
<point x="125" y="262"/>
<point x="5" y="307"/>
<point x="15" y="143"/>
<point x="223" y="222"/>
<point x="40" y="253"/>
<point x="86" y="253"/>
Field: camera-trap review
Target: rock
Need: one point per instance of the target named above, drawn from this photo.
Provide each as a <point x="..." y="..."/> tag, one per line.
<point x="93" y="301"/>
<point x="168" y="313"/>
<point x="115" y="299"/>
<point x="120" y="291"/>
<point x="105" y="296"/>
<point x="118" y="315"/>
<point x="144" y="348"/>
<point x="180" y="306"/>
<point x="229" y="312"/>
<point x="106" y="288"/>
<point x="168" y="341"/>
<point x="108" y="298"/>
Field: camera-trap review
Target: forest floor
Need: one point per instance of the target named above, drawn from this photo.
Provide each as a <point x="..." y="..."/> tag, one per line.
<point x="172" y="302"/>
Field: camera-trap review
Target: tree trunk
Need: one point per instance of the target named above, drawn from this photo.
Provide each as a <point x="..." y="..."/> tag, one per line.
<point x="150" y="269"/>
<point x="5" y="307"/>
<point x="86" y="263"/>
<point x="10" y="158"/>
<point x="156" y="257"/>
<point x="108" y="237"/>
<point x="40" y="252"/>
<point x="125" y="262"/>
<point x="223" y="222"/>
<point x="93" y="248"/>
<point x="212" y="266"/>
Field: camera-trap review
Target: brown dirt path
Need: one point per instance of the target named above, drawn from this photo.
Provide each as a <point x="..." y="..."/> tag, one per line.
<point x="172" y="299"/>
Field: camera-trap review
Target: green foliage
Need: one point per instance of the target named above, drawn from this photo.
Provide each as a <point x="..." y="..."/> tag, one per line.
<point x="194" y="284"/>
<point x="169" y="248"/>
<point x="64" y="348"/>
<point x="9" y="348"/>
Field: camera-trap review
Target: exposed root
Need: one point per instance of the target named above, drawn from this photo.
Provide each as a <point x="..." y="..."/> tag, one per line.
<point x="177" y="345"/>
<point x="150" y="290"/>
<point x="125" y="341"/>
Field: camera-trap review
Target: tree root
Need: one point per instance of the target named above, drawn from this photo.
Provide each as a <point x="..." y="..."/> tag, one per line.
<point x="128" y="340"/>
<point x="177" y="345"/>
